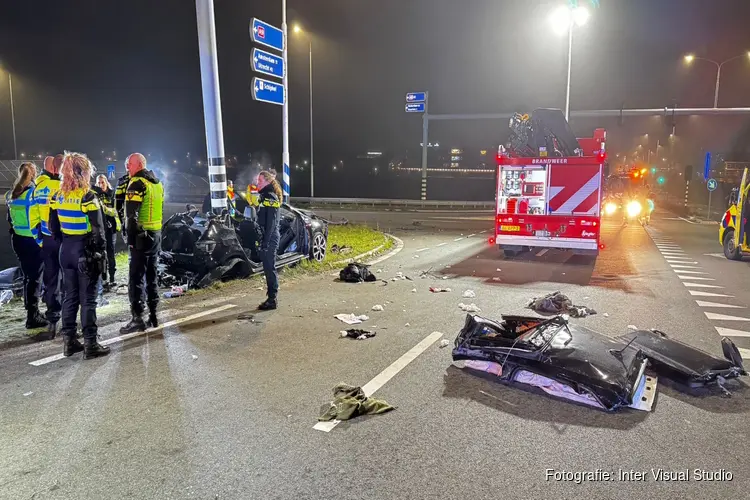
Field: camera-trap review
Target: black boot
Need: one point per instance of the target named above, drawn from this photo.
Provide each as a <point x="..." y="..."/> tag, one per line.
<point x="153" y="321"/>
<point x="35" y="320"/>
<point x="269" y="305"/>
<point x="93" y="349"/>
<point x="71" y="345"/>
<point x="136" y="325"/>
<point x="50" y="334"/>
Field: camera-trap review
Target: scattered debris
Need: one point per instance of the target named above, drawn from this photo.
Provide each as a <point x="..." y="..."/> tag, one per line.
<point x="413" y="290"/>
<point x="632" y="327"/>
<point x="315" y="311"/>
<point x="557" y="303"/>
<point x="195" y="357"/>
<point x="472" y="308"/>
<point x="349" y="402"/>
<point x="496" y="279"/>
<point x="498" y="269"/>
<point x="469" y="294"/>
<point x="407" y="325"/>
<point x="356" y="333"/>
<point x="340" y="249"/>
<point x="176" y="291"/>
<point x="445" y="343"/>
<point x="246" y="317"/>
<point x="606" y="315"/>
<point x="427" y="274"/>
<point x="5" y="297"/>
<point x="435" y="289"/>
<point x="445" y="277"/>
<point x="356" y="273"/>
<point x="28" y="393"/>
<point x="351" y="318"/>
<point x="377" y="307"/>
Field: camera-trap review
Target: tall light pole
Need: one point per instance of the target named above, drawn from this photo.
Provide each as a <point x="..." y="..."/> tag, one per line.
<point x="285" y="119"/>
<point x="12" y="113"/>
<point x="297" y="29"/>
<point x="690" y="58"/>
<point x="565" y="19"/>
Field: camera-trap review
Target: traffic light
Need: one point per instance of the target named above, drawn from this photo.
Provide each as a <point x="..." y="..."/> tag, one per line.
<point x="636" y="174"/>
<point x="643" y="171"/>
<point x="661" y="180"/>
<point x="653" y="170"/>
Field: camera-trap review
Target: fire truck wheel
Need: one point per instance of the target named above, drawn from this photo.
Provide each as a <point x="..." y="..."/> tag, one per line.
<point x="511" y="253"/>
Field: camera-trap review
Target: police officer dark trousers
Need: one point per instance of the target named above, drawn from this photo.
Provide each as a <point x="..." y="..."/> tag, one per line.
<point x="270" y="196"/>
<point x="23" y="220"/>
<point x="144" y="204"/>
<point x="76" y="220"/>
<point x="47" y="185"/>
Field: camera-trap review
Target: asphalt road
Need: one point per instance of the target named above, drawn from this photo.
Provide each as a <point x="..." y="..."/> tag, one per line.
<point x="218" y="407"/>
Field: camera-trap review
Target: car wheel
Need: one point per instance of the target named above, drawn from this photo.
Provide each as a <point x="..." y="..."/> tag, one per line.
<point x="730" y="251"/>
<point x="318" y="247"/>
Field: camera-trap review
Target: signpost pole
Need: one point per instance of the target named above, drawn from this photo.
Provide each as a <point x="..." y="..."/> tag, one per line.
<point x="425" y="136"/>
<point x="708" y="217"/>
<point x="285" y="139"/>
<point x="217" y="171"/>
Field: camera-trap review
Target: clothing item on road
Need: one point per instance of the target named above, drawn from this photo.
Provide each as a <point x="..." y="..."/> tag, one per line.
<point x="350" y="402"/>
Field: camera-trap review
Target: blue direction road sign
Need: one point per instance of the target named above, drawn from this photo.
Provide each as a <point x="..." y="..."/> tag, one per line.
<point x="267" y="63"/>
<point x="707" y="166"/>
<point x="265" y="34"/>
<point x="416" y="97"/>
<point x="110" y="170"/>
<point x="266" y="91"/>
<point x="415" y="108"/>
<point x="712" y="184"/>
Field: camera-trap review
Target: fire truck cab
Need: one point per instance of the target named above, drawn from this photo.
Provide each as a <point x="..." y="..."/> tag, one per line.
<point x="549" y="187"/>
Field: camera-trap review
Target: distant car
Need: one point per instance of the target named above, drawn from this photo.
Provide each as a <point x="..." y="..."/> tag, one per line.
<point x="579" y="364"/>
<point x="200" y="249"/>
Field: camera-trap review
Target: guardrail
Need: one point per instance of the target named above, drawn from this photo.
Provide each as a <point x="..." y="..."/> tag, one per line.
<point x="383" y="202"/>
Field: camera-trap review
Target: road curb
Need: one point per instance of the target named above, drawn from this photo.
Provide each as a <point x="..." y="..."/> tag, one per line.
<point x="399" y="246"/>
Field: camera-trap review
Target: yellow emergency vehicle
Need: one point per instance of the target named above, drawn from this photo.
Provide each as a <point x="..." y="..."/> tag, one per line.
<point x="732" y="233"/>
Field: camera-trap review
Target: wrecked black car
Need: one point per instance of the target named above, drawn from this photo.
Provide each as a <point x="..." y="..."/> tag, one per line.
<point x="579" y="364"/>
<point x="199" y="249"/>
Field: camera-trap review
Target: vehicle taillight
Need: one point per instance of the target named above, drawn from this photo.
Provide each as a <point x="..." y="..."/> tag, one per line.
<point x="491" y="240"/>
<point x="601" y="156"/>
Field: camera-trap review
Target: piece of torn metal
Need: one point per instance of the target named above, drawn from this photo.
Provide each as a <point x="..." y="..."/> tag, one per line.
<point x="564" y="360"/>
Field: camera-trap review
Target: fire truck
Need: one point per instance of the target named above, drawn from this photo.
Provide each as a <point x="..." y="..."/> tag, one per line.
<point x="549" y="186"/>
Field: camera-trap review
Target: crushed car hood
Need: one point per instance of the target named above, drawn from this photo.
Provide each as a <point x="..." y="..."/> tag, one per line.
<point x="690" y="365"/>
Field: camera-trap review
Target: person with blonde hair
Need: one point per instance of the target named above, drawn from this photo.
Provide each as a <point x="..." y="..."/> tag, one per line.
<point x="269" y="201"/>
<point x="106" y="194"/>
<point x="47" y="184"/>
<point x="24" y="221"/>
<point x="76" y="220"/>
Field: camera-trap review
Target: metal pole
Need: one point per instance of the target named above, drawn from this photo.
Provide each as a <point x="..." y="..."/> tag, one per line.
<point x="425" y="135"/>
<point x="709" y="206"/>
<point x="217" y="170"/>
<point x="570" y="63"/>
<point x="716" y="92"/>
<point x="312" y="161"/>
<point x="285" y="119"/>
<point x="12" y="116"/>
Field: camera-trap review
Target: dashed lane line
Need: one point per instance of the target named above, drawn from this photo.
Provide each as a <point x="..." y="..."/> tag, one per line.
<point x="701" y="285"/>
<point x="694" y="278"/>
<point x="122" y="338"/>
<point x="685" y="271"/>
<point x="698" y="293"/>
<point x="724" y="317"/>
<point x="703" y="303"/>
<point x="383" y="377"/>
<point x="683" y="266"/>
<point x="729" y="332"/>
<point x="443" y="244"/>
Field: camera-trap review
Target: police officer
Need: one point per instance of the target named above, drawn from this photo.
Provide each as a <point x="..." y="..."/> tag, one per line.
<point x="269" y="197"/>
<point x="24" y="222"/>
<point x="111" y="225"/>
<point x="76" y="220"/>
<point x="120" y="190"/>
<point x="47" y="185"/>
<point x="144" y="203"/>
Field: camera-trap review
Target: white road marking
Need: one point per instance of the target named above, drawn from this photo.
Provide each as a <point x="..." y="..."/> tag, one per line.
<point x="390" y="253"/>
<point x="482" y="232"/>
<point x="423" y="249"/>
<point x="383" y="377"/>
<point x="459" y="239"/>
<point x="670" y="258"/>
<point x="667" y="247"/>
<point x="672" y="252"/>
<point x="542" y="252"/>
<point x="697" y="293"/>
<point x="728" y="332"/>
<point x="703" y="303"/>
<point x="699" y="278"/>
<point x="443" y="244"/>
<point x="688" y="221"/>
<point x="724" y="317"/>
<point x="471" y="235"/>
<point x="745" y="353"/>
<point x="701" y="285"/>
<point x="685" y="271"/>
<point x="671" y="261"/>
<point x="121" y="338"/>
<point x="683" y="266"/>
<point x="719" y="255"/>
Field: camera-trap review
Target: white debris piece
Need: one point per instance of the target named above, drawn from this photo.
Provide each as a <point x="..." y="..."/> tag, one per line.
<point x="377" y="307"/>
<point x="28" y="393"/>
<point x="445" y="277"/>
<point x="408" y="324"/>
<point x="496" y="279"/>
<point x="413" y="290"/>
<point x="195" y="357"/>
<point x="632" y="327"/>
<point x="498" y="269"/>
<point x="445" y="343"/>
<point x="343" y="333"/>
<point x="315" y="310"/>
<point x="351" y="318"/>
<point x="469" y="294"/>
<point x="606" y="315"/>
<point x="469" y="307"/>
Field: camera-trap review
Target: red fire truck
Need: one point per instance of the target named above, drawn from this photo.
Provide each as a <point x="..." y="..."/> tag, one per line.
<point x="550" y="199"/>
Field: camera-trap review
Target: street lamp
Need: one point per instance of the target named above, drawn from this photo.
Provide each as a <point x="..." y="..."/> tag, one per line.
<point x="689" y="58"/>
<point x="12" y="114"/>
<point x="298" y="30"/>
<point x="564" y="19"/>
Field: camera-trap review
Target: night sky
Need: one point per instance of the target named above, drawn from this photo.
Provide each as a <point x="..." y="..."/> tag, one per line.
<point x="102" y="74"/>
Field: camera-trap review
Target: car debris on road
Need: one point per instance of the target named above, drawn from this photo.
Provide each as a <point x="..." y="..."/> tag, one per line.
<point x="558" y="303"/>
<point x="471" y="308"/>
<point x="469" y="294"/>
<point x="578" y="364"/>
<point x="436" y="289"/>
<point x="356" y="333"/>
<point x="351" y="318"/>
<point x="355" y="272"/>
<point x="377" y="307"/>
<point x="350" y="402"/>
